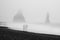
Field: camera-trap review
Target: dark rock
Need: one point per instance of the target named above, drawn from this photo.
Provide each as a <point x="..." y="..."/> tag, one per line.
<point x="10" y="34"/>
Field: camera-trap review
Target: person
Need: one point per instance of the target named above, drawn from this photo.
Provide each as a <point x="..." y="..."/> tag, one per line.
<point x="25" y="27"/>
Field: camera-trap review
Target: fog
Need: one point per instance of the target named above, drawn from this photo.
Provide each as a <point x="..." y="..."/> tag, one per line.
<point x="15" y="12"/>
<point x="33" y="11"/>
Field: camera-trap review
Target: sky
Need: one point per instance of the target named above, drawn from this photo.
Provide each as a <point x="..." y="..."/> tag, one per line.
<point x="33" y="10"/>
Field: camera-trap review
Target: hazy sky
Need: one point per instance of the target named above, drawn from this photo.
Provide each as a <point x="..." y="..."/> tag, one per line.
<point x="33" y="10"/>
